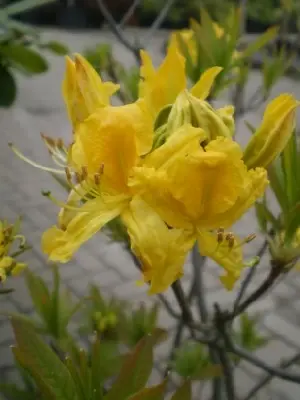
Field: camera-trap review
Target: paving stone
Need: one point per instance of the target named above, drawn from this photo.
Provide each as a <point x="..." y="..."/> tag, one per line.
<point x="281" y="328"/>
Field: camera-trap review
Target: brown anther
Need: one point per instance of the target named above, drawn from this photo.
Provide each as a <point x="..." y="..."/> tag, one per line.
<point x="78" y="177"/>
<point x="249" y="238"/>
<point x="101" y="169"/>
<point x="59" y="143"/>
<point x="68" y="174"/>
<point x="97" y="179"/>
<point x="230" y="239"/>
<point x="84" y="172"/>
<point x="63" y="227"/>
<point x="220" y="235"/>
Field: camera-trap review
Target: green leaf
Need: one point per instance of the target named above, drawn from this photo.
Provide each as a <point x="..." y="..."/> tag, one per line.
<point x="12" y="392"/>
<point x="207" y="372"/>
<point x="23" y="5"/>
<point x="134" y="372"/>
<point x="152" y="393"/>
<point x="50" y="374"/>
<point x="56" y="47"/>
<point x="24" y="58"/>
<point x="263" y="39"/>
<point x="290" y="164"/>
<point x="184" y="392"/>
<point x="39" y="294"/>
<point x="8" y="87"/>
<point x="277" y="184"/>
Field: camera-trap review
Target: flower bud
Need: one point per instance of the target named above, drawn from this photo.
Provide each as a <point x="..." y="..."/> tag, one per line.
<point x="273" y="134"/>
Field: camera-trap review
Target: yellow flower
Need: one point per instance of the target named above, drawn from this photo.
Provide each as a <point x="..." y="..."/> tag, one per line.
<point x="107" y="146"/>
<point x="201" y="189"/>
<point x="83" y="89"/>
<point x="162" y="86"/>
<point x="188" y="37"/>
<point x="273" y="134"/>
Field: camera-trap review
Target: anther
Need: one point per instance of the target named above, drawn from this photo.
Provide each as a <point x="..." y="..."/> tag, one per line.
<point x="78" y="177"/>
<point x="68" y="174"/>
<point x="101" y="169"/>
<point x="84" y="172"/>
<point x="230" y="239"/>
<point x="97" y="179"/>
<point x="249" y="238"/>
<point x="59" y="143"/>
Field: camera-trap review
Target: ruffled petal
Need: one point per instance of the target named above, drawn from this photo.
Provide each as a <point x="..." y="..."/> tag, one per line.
<point x="202" y="88"/>
<point x="161" y="251"/>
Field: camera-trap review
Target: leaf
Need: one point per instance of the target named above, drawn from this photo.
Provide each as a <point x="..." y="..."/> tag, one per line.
<point x="8" y="87"/>
<point x="184" y="392"/>
<point x="55" y="47"/>
<point x="23" y="5"/>
<point x="50" y="374"/>
<point x="24" y="58"/>
<point x="39" y="294"/>
<point x="152" y="393"/>
<point x="260" y="42"/>
<point x="12" y="392"/>
<point x="134" y="372"/>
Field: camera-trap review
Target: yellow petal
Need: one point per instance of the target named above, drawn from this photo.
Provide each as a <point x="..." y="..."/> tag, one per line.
<point x="184" y="140"/>
<point x="188" y="37"/>
<point x="273" y="134"/>
<point x="162" y="251"/>
<point x="231" y="259"/>
<point x="202" y="88"/>
<point x="162" y="86"/>
<point x="227" y="115"/>
<point x="60" y="245"/>
<point x="19" y="267"/>
<point x="108" y="138"/>
<point x="83" y="89"/>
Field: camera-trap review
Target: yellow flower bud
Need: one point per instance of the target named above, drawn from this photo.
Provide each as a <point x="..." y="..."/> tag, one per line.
<point x="275" y="131"/>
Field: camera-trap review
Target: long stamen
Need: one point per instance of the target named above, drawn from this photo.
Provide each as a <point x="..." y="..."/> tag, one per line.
<point x="33" y="163"/>
<point x="60" y="203"/>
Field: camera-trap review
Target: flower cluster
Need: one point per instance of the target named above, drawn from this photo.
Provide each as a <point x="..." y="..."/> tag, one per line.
<point x="167" y="166"/>
<point x="8" y="264"/>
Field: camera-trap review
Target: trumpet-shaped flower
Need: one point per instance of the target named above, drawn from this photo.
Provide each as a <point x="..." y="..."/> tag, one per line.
<point x="273" y="134"/>
<point x="201" y="189"/>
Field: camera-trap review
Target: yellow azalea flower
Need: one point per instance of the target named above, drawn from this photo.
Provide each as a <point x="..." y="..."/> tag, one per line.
<point x="162" y="86"/>
<point x="274" y="132"/>
<point x="83" y="89"/>
<point x="107" y="146"/>
<point x="200" y="189"/>
<point x="188" y="37"/>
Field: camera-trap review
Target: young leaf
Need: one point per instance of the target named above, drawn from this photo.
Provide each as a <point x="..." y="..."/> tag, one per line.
<point x="56" y="47"/>
<point x="24" y="58"/>
<point x="152" y="393"/>
<point x="8" y="87"/>
<point x="39" y="294"/>
<point x="263" y="39"/>
<point x="184" y="392"/>
<point x="135" y="371"/>
<point x="50" y="374"/>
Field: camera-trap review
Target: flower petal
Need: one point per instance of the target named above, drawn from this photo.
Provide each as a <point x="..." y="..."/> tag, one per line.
<point x="108" y="138"/>
<point x="202" y="88"/>
<point x="60" y="244"/>
<point x="161" y="250"/>
<point x="83" y="89"/>
<point x="231" y="259"/>
<point x="162" y="86"/>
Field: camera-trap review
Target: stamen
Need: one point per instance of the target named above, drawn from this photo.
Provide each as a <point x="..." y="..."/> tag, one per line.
<point x="230" y="239"/>
<point x="101" y="169"/>
<point x="250" y="237"/>
<point x="84" y="172"/>
<point x="60" y="203"/>
<point x="97" y="179"/>
<point x="59" y="143"/>
<point x="34" y="164"/>
<point x="68" y="175"/>
<point x="220" y="235"/>
<point x="78" y="177"/>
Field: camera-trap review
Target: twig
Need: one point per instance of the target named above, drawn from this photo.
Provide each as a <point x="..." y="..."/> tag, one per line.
<point x="227" y="374"/>
<point x="129" y="13"/>
<point x="265" y="380"/>
<point x="198" y="263"/>
<point x="249" y="276"/>
<point x="158" y="21"/>
<point x="187" y="316"/>
<point x="135" y="50"/>
<point x="274" y="273"/>
<point x="274" y="371"/>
